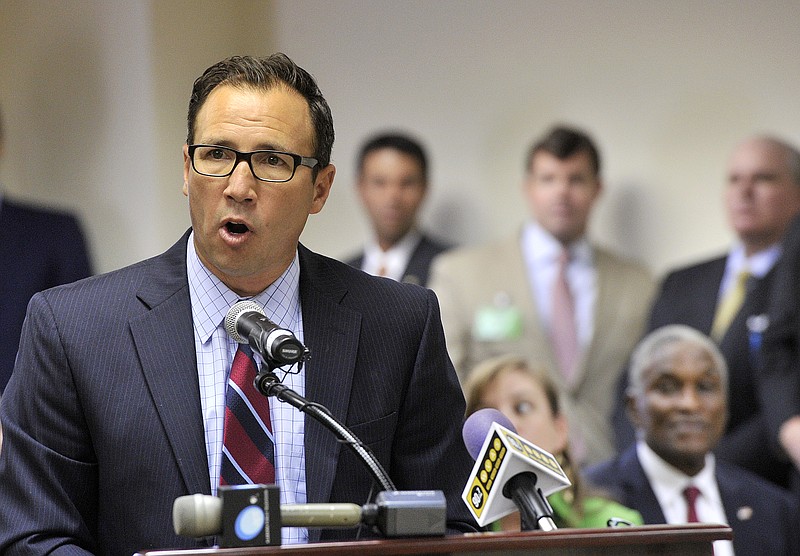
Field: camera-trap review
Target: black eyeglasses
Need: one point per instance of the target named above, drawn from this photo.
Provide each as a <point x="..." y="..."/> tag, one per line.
<point x="267" y="165"/>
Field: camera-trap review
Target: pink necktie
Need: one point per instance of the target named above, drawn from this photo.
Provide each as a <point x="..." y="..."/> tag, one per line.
<point x="563" y="330"/>
<point x="248" y="453"/>
<point x="691" y="493"/>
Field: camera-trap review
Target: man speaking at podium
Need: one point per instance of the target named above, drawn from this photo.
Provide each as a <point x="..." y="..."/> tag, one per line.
<point x="117" y="405"/>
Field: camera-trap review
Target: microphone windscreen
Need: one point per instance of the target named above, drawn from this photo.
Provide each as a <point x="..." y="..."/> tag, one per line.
<point x="197" y="515"/>
<point x="232" y="318"/>
<point x="477" y="426"/>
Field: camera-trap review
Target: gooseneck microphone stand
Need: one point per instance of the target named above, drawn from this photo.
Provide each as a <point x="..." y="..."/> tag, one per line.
<point x="268" y="384"/>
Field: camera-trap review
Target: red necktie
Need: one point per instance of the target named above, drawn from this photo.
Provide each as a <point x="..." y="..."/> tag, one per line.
<point x="691" y="493"/>
<point x="248" y="452"/>
<point x="563" y="330"/>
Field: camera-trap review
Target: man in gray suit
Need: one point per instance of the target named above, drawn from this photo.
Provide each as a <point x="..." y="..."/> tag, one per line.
<point x="500" y="298"/>
<point x="118" y="399"/>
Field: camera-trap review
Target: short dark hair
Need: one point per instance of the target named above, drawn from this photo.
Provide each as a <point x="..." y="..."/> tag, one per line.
<point x="399" y="142"/>
<point x="564" y="142"/>
<point x="266" y="73"/>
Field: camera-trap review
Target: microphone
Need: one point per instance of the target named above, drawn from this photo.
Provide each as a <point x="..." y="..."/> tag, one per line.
<point x="509" y="474"/>
<point x="395" y="514"/>
<point x="247" y="324"/>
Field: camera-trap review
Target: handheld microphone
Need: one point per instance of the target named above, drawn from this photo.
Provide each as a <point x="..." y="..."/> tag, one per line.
<point x="509" y="474"/>
<point x="247" y="324"/>
<point x="394" y="514"/>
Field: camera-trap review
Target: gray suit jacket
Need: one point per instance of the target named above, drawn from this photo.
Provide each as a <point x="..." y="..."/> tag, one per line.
<point x="468" y="280"/>
<point x="102" y="419"/>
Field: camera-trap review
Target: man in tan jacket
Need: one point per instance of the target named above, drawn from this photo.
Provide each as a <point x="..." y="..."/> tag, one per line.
<point x="550" y="295"/>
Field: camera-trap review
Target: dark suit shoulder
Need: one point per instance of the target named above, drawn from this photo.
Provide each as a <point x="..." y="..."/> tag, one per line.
<point x="16" y="209"/>
<point x="355" y="286"/>
<point x="354" y="260"/>
<point x="160" y="275"/>
<point x="429" y="244"/>
<point x="703" y="268"/>
<point x="605" y="474"/>
<point x="754" y="485"/>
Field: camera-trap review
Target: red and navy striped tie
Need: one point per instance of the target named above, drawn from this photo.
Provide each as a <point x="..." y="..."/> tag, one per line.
<point x="248" y="451"/>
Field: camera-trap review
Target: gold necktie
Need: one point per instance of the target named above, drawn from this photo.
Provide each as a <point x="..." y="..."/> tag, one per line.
<point x="729" y="306"/>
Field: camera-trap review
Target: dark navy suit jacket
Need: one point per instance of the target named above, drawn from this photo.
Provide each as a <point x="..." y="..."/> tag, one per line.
<point x="102" y="419"/>
<point x="780" y="378"/>
<point x="39" y="249"/>
<point x="418" y="265"/>
<point x="689" y="296"/>
<point x="764" y="518"/>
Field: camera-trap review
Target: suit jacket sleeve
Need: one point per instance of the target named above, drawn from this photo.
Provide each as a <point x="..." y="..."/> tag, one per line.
<point x="779" y="380"/>
<point x="50" y="460"/>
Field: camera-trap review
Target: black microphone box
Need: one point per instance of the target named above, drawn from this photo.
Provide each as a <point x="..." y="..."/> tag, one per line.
<point x="250" y="515"/>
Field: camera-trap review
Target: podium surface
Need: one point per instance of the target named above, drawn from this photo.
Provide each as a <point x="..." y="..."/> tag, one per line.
<point x="687" y="540"/>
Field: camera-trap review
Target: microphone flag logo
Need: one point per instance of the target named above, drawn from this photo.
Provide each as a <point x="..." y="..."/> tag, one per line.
<point x="503" y="455"/>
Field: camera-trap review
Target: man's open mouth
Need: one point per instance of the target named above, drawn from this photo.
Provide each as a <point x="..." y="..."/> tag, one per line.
<point x="236" y="228"/>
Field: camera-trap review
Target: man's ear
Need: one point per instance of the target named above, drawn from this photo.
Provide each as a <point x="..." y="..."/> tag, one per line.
<point x="322" y="188"/>
<point x="632" y="410"/>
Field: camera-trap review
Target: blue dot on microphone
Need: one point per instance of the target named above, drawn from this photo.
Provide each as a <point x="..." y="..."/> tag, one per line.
<point x="249" y="523"/>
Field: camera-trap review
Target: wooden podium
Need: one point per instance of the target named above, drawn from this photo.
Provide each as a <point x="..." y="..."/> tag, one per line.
<point x="686" y="540"/>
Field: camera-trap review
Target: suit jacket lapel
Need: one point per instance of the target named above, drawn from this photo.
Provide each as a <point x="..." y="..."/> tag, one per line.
<point x="511" y="263"/>
<point x="704" y="294"/>
<point x="739" y="514"/>
<point x="331" y="333"/>
<point x="604" y="307"/>
<point x="164" y="339"/>
<point x="638" y="492"/>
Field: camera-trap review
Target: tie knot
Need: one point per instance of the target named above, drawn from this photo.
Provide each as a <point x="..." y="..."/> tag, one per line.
<point x="742" y="278"/>
<point x="246" y="349"/>
<point x="691" y="493"/>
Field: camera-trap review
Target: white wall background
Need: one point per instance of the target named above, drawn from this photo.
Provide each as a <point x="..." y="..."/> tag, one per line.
<point x="666" y="89"/>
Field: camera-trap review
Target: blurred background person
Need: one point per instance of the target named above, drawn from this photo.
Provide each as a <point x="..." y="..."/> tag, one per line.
<point x="780" y="355"/>
<point x="727" y="296"/>
<point x="550" y="294"/>
<point x="678" y="399"/>
<point x="392" y="183"/>
<point x="528" y="397"/>
<point x="39" y="249"/>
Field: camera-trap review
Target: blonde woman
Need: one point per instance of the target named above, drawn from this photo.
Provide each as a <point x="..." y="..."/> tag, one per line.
<point x="526" y="395"/>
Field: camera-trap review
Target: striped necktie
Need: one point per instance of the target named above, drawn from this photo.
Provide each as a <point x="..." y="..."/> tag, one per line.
<point x="248" y="451"/>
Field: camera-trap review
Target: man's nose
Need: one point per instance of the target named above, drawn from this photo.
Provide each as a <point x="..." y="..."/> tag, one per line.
<point x="241" y="182"/>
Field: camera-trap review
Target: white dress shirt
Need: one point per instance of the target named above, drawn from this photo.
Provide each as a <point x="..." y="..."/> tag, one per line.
<point x="394" y="261"/>
<point x="211" y="300"/>
<point x="668" y="484"/>
<point x="758" y="265"/>
<point x="541" y="252"/>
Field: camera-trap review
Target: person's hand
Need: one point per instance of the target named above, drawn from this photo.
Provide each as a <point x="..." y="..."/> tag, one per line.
<point x="789" y="436"/>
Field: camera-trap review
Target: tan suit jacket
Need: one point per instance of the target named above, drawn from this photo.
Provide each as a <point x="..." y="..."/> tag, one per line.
<point x="468" y="280"/>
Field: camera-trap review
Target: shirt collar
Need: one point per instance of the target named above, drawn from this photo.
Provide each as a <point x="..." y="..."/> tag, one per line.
<point x="542" y="247"/>
<point x="757" y="264"/>
<point x="402" y="248"/>
<point x="211" y="298"/>
<point x="667" y="481"/>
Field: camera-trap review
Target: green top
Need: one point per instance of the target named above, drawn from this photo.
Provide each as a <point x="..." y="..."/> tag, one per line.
<point x="596" y="513"/>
